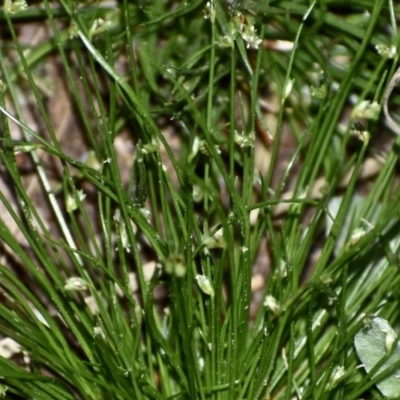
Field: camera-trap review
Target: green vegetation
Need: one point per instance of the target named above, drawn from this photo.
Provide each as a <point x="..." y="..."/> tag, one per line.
<point x="158" y="159"/>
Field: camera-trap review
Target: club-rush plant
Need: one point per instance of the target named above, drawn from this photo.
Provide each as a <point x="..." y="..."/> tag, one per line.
<point x="199" y="200"/>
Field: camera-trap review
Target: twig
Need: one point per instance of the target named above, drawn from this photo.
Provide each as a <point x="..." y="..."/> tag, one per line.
<point x="395" y="80"/>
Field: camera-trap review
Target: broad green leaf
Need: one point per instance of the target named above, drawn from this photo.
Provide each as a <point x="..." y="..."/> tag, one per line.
<point x="374" y="342"/>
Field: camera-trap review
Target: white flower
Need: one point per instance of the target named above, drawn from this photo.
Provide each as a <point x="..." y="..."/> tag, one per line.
<point x="205" y="285"/>
<point x="244" y="140"/>
<point x="318" y="92"/>
<point x="271" y="303"/>
<point x="209" y="11"/>
<point x="356" y="235"/>
<point x="9" y="347"/>
<point x="98" y="331"/>
<point x="13" y="7"/>
<point x="338" y="372"/>
<point x="385" y="51"/>
<point x="249" y="35"/>
<point x="288" y="88"/>
<point x="72" y="203"/>
<point x="76" y="284"/>
<point x="366" y="109"/>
